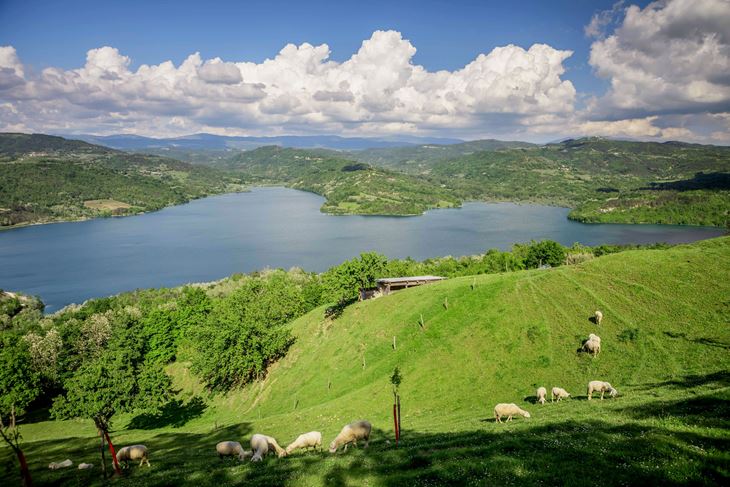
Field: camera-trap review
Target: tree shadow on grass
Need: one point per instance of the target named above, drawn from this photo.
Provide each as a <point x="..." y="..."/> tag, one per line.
<point x="720" y="378"/>
<point x="174" y="414"/>
<point x="708" y="410"/>
<point x="711" y="342"/>
<point x="550" y="454"/>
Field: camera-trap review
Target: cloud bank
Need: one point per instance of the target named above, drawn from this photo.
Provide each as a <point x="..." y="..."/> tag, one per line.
<point x="668" y="66"/>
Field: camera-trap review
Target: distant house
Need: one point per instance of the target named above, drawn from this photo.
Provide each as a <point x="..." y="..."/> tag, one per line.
<point x="390" y="284"/>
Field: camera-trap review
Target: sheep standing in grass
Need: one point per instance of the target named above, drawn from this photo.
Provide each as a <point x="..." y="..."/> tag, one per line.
<point x="350" y="433"/>
<point x="560" y="393"/>
<point x="134" y="452"/>
<point x="261" y="445"/>
<point x="541" y="393"/>
<point x="602" y="387"/>
<point x="592" y="345"/>
<point x="313" y="440"/>
<point x="598" y="317"/>
<point x="230" y="449"/>
<point x="509" y="410"/>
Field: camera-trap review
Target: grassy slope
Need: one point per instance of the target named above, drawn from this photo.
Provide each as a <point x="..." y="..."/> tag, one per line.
<point x="45" y="178"/>
<point x="495" y="343"/>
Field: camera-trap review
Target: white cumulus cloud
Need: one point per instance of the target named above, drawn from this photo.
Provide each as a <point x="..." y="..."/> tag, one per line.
<point x="378" y="90"/>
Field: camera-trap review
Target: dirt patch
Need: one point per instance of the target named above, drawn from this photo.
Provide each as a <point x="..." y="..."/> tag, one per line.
<point x="106" y="205"/>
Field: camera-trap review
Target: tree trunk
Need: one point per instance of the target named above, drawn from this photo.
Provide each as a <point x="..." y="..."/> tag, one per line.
<point x="113" y="453"/>
<point x="101" y="449"/>
<point x="24" y="472"/>
<point x="395" y="424"/>
<point x="398" y="401"/>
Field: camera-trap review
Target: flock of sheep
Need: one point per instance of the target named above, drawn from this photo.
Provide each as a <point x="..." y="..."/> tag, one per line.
<point x="262" y="445"/>
<point x="593" y="346"/>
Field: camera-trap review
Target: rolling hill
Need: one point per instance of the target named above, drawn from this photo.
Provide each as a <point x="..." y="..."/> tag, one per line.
<point x="665" y="348"/>
<point x="604" y="180"/>
<point x="349" y="187"/>
<point x="45" y="178"/>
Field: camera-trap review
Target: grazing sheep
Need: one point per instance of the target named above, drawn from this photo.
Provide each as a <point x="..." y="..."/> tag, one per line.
<point x="85" y="466"/>
<point x="57" y="465"/>
<point x="602" y="387"/>
<point x="560" y="393"/>
<point x="134" y="452"/>
<point x="313" y="440"/>
<point x="592" y="345"/>
<point x="357" y="430"/>
<point x="598" y="317"/>
<point x="231" y="448"/>
<point x="509" y="410"/>
<point x="261" y="445"/>
<point x="541" y="393"/>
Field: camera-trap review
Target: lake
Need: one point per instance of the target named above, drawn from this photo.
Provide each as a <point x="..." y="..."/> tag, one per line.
<point x="214" y="237"/>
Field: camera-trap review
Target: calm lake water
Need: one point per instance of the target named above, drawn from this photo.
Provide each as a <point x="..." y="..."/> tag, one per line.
<point x="272" y="227"/>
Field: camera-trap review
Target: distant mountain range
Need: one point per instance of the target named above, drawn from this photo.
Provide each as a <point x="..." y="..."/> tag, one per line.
<point x="219" y="142"/>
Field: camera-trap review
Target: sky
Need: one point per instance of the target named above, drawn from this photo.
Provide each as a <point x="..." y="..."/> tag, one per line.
<point x="526" y="70"/>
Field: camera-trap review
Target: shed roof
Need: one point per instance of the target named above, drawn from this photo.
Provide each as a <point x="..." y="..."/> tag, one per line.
<point x="395" y="280"/>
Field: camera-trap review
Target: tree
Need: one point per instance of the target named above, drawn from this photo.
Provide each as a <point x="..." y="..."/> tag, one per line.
<point x="343" y="282"/>
<point x="11" y="436"/>
<point x="546" y="252"/>
<point x="395" y="381"/>
<point x="244" y="333"/>
<point x="19" y="382"/>
<point x="114" y="382"/>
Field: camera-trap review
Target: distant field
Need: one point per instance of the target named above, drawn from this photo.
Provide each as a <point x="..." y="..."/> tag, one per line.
<point x="666" y="348"/>
<point x="106" y="205"/>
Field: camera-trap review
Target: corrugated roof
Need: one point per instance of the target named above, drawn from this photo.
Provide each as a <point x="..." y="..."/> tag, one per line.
<point x="391" y="280"/>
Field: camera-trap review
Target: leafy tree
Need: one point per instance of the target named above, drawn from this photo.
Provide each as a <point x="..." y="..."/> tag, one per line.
<point x="19" y="381"/>
<point x="114" y="382"/>
<point x="244" y="333"/>
<point x="11" y="435"/>
<point x="546" y="252"/>
<point x="343" y="282"/>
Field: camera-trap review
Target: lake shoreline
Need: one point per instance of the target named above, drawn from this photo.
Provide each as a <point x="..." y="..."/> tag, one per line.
<point x="344" y="213"/>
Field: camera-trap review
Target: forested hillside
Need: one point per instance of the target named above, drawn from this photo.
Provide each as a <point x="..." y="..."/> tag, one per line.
<point x="349" y="186"/>
<point x="604" y="180"/>
<point x="45" y="178"/>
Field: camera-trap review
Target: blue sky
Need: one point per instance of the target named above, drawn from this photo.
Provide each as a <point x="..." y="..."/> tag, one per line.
<point x="447" y="35"/>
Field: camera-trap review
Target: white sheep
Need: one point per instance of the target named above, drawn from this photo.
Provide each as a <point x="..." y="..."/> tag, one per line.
<point x="313" y="440"/>
<point x="598" y="317"/>
<point x="231" y="448"/>
<point x="560" y="393"/>
<point x="85" y="466"/>
<point x="57" y="465"/>
<point x="133" y="452"/>
<point x="592" y="345"/>
<point x="350" y="433"/>
<point x="509" y="410"/>
<point x="261" y="445"/>
<point x="541" y="393"/>
<point x="602" y="387"/>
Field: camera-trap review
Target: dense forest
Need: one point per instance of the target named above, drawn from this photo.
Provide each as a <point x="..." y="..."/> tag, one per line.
<point x="45" y="178"/>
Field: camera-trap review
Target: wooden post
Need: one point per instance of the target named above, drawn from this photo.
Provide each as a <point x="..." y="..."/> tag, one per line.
<point x="422" y="323"/>
<point x="394" y="347"/>
<point x="446" y="303"/>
